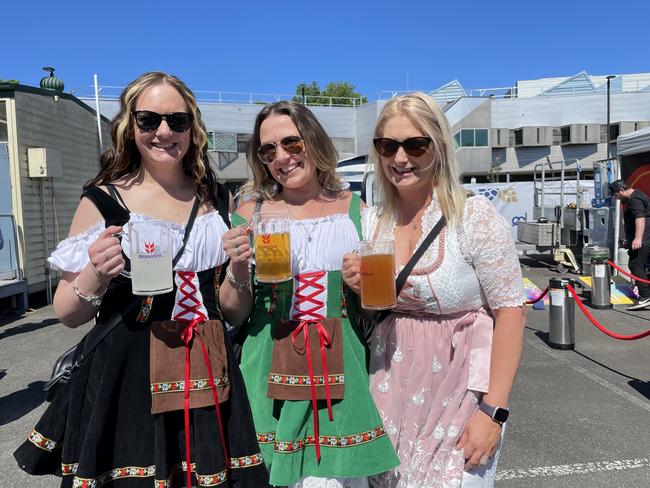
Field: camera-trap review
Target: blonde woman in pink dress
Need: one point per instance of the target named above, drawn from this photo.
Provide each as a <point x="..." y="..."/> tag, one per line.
<point x="444" y="360"/>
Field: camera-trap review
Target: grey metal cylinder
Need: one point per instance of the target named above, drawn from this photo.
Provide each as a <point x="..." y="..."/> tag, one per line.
<point x="600" y="289"/>
<point x="561" y="318"/>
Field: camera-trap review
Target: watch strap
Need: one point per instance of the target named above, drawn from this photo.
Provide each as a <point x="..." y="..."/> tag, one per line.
<point x="497" y="414"/>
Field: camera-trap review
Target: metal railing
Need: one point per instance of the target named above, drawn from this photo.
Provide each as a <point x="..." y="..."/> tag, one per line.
<point x="516" y="92"/>
<point x="112" y="92"/>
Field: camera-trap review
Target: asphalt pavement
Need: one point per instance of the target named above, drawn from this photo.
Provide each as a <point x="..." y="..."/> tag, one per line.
<point x="579" y="418"/>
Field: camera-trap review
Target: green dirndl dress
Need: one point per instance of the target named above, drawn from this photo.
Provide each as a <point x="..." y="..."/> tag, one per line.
<point x="354" y="443"/>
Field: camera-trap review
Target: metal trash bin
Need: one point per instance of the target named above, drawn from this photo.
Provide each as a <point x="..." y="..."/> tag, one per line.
<point x="561" y="317"/>
<point x="600" y="284"/>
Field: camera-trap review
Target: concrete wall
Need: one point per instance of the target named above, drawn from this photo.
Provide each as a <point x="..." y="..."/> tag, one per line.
<point x="69" y="129"/>
<point x="475" y="159"/>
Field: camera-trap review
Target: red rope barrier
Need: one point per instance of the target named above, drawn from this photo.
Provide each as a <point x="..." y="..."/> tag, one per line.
<point x="587" y="313"/>
<point x="537" y="298"/>
<point x="621" y="270"/>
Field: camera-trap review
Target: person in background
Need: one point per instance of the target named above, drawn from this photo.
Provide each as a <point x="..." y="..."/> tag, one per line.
<point x="636" y="220"/>
<point x="443" y="362"/>
<point x="117" y="419"/>
<point x="336" y="439"/>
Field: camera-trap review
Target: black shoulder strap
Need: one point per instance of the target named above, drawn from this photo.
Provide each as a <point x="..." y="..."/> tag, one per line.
<point x="116" y="195"/>
<point x="258" y="205"/>
<point x="408" y="267"/>
<point x="111" y="210"/>
<point x="223" y="201"/>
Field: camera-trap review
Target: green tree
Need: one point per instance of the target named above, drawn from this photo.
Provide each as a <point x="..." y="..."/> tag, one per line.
<point x="11" y="82"/>
<point x="343" y="93"/>
<point x="339" y="93"/>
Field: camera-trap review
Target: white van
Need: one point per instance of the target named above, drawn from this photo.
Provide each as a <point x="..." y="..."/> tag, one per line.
<point x="360" y="176"/>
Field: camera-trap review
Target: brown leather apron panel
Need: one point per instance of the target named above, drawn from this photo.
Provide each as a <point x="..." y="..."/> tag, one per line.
<point x="167" y="365"/>
<point x="289" y="377"/>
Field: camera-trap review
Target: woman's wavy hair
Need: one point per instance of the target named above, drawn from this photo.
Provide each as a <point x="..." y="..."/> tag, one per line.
<point x="318" y="145"/>
<point x="123" y="157"/>
<point x="424" y="113"/>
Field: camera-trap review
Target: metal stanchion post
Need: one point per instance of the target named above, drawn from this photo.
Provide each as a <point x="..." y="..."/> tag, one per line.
<point x="600" y="289"/>
<point x="561" y="318"/>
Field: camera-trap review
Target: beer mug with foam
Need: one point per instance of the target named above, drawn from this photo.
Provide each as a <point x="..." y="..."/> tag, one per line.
<point x="377" y="274"/>
<point x="272" y="246"/>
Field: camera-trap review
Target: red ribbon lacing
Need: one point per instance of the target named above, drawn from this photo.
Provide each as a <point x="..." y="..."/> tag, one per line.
<point x="191" y="305"/>
<point x="307" y="317"/>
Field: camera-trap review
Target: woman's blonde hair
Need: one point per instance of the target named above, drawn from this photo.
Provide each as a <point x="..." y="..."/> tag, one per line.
<point x="318" y="145"/>
<point x="424" y="113"/>
<point x="123" y="157"/>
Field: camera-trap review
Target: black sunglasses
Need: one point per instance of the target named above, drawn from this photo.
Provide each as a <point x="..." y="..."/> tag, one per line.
<point x="413" y="146"/>
<point x="149" y="121"/>
<point x="292" y="144"/>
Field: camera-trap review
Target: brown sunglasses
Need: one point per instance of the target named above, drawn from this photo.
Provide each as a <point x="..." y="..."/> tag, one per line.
<point x="292" y="144"/>
<point x="413" y="146"/>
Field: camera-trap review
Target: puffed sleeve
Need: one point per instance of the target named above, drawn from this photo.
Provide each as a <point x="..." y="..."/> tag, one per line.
<point x="72" y="253"/>
<point x="487" y="244"/>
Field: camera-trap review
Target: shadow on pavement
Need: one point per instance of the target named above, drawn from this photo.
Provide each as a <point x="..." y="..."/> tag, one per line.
<point x="642" y="387"/>
<point x="28" y="327"/>
<point x="541" y="335"/>
<point x="20" y="403"/>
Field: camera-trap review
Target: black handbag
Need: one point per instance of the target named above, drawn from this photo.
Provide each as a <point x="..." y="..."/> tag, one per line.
<point x="366" y="324"/>
<point x="72" y="359"/>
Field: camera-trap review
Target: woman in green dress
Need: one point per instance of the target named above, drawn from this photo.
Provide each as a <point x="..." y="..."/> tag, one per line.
<point x="319" y="428"/>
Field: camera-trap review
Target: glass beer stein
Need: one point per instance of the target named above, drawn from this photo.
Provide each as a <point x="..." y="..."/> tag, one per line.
<point x="272" y="246"/>
<point x="151" y="260"/>
<point x="377" y="274"/>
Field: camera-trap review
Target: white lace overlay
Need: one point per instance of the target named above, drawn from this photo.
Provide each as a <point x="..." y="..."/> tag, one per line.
<point x="312" y="482"/>
<point x="465" y="268"/>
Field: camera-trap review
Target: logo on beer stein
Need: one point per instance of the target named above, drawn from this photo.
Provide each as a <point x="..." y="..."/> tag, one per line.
<point x="149" y="247"/>
<point x="266" y="239"/>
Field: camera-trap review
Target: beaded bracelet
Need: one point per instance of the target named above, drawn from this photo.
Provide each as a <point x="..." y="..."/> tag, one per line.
<point x="239" y="286"/>
<point x="94" y="300"/>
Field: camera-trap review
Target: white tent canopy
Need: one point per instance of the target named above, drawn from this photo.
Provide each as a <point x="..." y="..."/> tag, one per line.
<point x="634" y="142"/>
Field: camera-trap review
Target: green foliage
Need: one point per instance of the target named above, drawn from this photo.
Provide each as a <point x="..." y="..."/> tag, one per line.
<point x="11" y="82"/>
<point x="341" y="93"/>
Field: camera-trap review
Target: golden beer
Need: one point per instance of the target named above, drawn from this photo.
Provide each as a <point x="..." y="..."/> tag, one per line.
<point x="377" y="275"/>
<point x="272" y="257"/>
<point x="272" y="246"/>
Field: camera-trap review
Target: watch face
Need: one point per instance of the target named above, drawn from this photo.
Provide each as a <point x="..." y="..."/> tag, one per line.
<point x="501" y="415"/>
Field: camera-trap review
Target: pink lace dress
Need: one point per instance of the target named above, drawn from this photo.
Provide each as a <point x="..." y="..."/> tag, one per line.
<point x="430" y="359"/>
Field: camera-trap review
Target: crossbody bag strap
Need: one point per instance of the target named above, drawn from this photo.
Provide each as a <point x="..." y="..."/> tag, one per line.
<point x="188" y="229"/>
<point x="107" y="328"/>
<point x="408" y="267"/>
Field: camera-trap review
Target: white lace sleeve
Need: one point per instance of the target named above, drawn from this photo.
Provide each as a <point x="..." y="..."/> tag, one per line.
<point x="486" y="243"/>
<point x="369" y="219"/>
<point x="72" y="253"/>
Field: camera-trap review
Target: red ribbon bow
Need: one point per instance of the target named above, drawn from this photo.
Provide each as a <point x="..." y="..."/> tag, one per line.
<point x="187" y="289"/>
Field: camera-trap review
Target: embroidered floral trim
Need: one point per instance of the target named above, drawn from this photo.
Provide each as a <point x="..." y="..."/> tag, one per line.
<point x="112" y="475"/>
<point x="149" y="471"/>
<point x="40" y="441"/>
<point x="195" y="385"/>
<point x="344" y="300"/>
<point x="266" y="438"/>
<point x="246" y="461"/>
<point x="295" y="380"/>
<point x="145" y="309"/>
<point x="330" y="441"/>
<point x="217" y="286"/>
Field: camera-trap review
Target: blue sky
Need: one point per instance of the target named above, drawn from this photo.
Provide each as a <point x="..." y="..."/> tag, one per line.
<point x="271" y="46"/>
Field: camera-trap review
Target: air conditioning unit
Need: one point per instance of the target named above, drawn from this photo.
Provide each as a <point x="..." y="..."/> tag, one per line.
<point x="533" y="136"/>
<point x="580" y="134"/>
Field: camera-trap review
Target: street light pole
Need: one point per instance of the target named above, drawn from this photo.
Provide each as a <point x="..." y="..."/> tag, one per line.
<point x="609" y="151"/>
